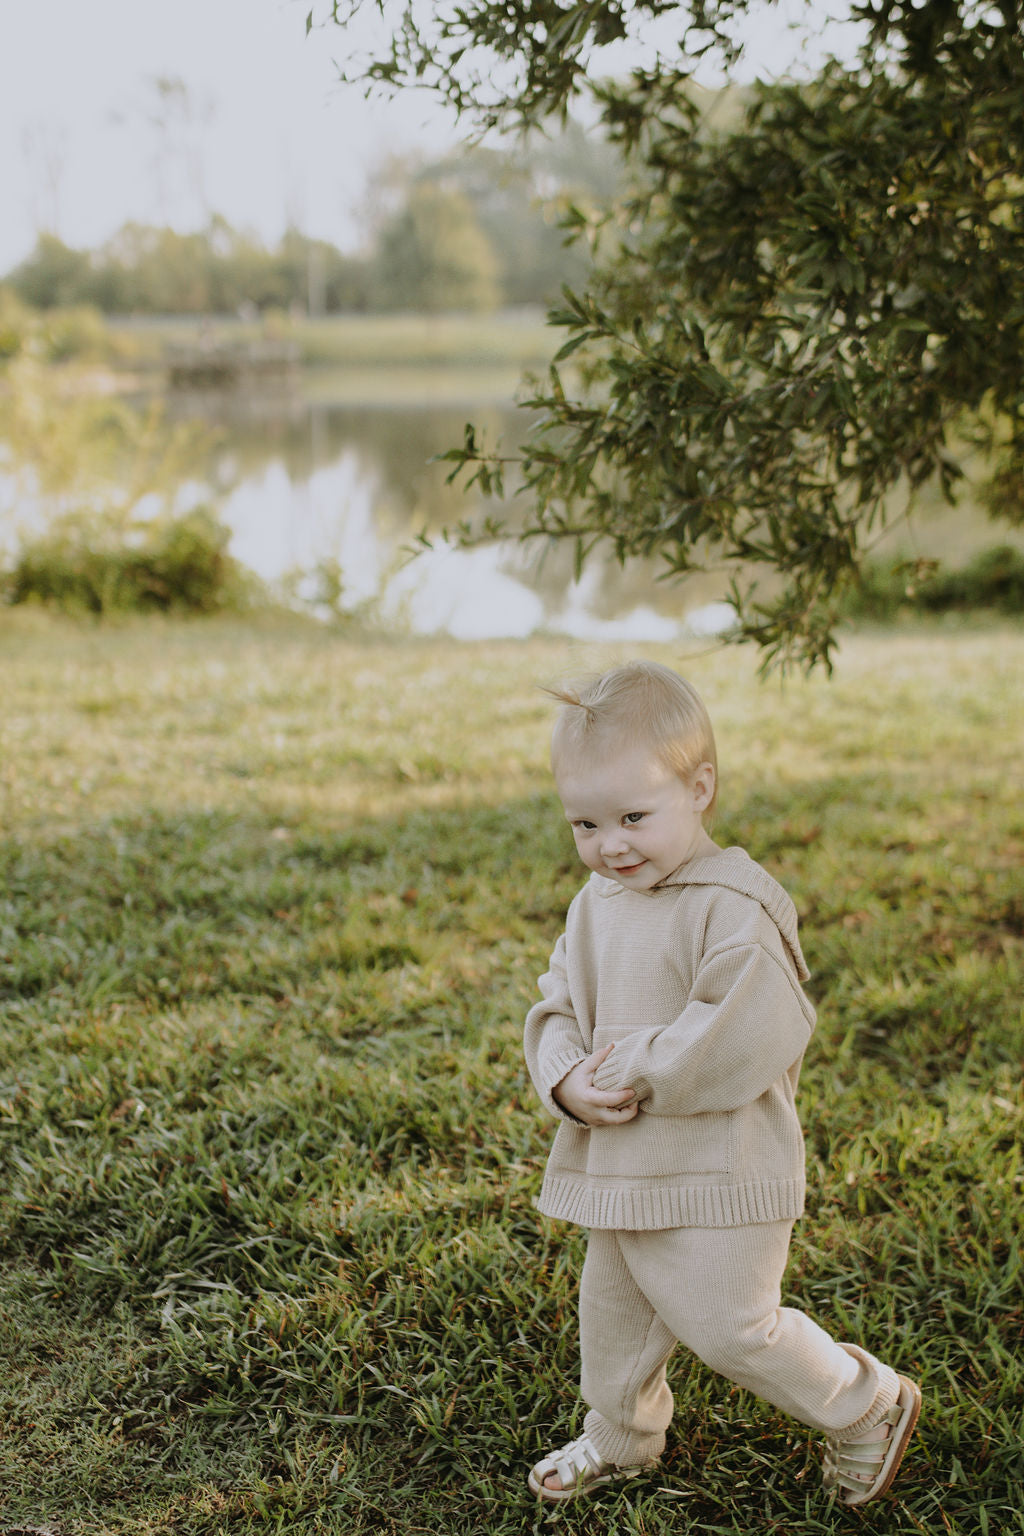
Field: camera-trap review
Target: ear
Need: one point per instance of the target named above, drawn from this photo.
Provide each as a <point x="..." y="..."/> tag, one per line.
<point x="703" y="784"/>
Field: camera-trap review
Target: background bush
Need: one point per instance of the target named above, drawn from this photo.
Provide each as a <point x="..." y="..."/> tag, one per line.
<point x="95" y="565"/>
<point x="993" y="579"/>
<point x="55" y="335"/>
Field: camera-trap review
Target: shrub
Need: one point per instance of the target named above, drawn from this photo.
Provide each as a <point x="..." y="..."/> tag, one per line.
<point x="54" y="336"/>
<point x="13" y="324"/>
<point x="91" y="563"/>
<point x="993" y="579"/>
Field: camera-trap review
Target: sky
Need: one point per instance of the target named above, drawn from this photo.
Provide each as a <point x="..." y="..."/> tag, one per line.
<point x="263" y="132"/>
<point x="281" y="141"/>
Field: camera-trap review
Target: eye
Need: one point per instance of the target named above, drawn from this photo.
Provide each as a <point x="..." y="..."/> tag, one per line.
<point x="583" y="826"/>
<point x="632" y="817"/>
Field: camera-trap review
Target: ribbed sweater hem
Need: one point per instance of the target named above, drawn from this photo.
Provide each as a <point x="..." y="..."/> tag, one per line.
<point x="652" y="1209"/>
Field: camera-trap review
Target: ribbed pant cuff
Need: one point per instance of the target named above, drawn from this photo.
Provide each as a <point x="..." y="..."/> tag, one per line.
<point x="887" y="1390"/>
<point x="620" y="1447"/>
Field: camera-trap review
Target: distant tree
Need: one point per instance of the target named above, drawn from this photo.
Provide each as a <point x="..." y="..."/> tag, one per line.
<point x="799" y="316"/>
<point x="217" y="270"/>
<point x="159" y="270"/>
<point x="52" y="275"/>
<point x="477" y="228"/>
<point x="433" y="255"/>
<point x="221" y="270"/>
<point x="320" y="278"/>
<point x="519" y="195"/>
<point x="348" y="282"/>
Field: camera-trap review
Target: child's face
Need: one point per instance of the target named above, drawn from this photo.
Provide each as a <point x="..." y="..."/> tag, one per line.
<point x="634" y="820"/>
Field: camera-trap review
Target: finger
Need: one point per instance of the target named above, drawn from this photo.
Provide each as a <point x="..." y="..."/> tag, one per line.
<point x="603" y="1114"/>
<point x="615" y="1096"/>
<point x="617" y="1100"/>
<point x="611" y="1098"/>
<point x="620" y="1116"/>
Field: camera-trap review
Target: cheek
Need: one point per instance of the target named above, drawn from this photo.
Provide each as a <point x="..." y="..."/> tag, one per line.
<point x="586" y="850"/>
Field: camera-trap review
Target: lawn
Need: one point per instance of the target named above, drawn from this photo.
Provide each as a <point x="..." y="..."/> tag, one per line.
<point x="506" y="339"/>
<point x="273" y="904"/>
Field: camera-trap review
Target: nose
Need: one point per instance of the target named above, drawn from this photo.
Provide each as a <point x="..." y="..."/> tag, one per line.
<point x="613" y="842"/>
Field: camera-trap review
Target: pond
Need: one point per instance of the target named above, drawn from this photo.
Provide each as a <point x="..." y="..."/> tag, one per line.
<point x="328" y="485"/>
<point x="336" y="480"/>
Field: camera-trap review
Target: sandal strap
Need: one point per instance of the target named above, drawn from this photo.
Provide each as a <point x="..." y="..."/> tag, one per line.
<point x="855" y="1464"/>
<point x="579" y="1461"/>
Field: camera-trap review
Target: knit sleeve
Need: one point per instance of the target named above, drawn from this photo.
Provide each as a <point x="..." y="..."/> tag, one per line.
<point x="745" y="1023"/>
<point x="553" y="1041"/>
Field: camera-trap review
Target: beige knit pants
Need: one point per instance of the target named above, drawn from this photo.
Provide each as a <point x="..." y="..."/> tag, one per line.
<point x="717" y="1291"/>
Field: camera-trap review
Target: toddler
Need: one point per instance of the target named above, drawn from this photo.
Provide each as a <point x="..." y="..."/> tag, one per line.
<point x="668" y="1040"/>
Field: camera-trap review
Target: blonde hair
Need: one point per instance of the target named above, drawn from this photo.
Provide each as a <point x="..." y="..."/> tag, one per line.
<point x="640" y="703"/>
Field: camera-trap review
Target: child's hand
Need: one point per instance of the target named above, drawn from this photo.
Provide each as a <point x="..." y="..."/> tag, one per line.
<point x="577" y="1094"/>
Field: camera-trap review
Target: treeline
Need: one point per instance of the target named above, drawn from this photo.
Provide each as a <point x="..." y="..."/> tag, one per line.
<point x="477" y="231"/>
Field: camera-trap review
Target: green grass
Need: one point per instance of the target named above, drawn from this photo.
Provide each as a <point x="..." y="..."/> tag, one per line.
<point x="507" y="339"/>
<point x="272" y="907"/>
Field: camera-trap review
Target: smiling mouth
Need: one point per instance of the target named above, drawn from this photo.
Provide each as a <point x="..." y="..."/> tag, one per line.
<point x="627" y="869"/>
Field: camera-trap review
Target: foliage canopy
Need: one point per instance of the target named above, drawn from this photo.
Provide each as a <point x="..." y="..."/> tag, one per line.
<point x="799" y="318"/>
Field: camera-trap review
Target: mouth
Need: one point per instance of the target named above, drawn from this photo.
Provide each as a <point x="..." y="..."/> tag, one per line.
<point x="627" y="869"/>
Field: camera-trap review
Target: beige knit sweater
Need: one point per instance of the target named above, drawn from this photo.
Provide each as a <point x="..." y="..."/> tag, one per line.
<point x="698" y="983"/>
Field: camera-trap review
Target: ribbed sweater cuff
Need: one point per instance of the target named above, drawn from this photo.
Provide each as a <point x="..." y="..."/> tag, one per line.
<point x="555" y="1069"/>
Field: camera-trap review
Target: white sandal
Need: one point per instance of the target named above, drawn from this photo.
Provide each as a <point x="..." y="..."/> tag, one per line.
<point x="580" y="1468"/>
<point x="865" y="1469"/>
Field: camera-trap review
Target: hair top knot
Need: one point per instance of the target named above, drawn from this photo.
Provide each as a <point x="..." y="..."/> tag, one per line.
<point x="640" y="704"/>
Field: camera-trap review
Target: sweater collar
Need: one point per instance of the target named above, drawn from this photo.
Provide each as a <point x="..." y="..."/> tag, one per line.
<point x="734" y="869"/>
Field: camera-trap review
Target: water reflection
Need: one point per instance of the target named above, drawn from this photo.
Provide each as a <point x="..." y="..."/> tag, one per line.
<point x="350" y="486"/>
